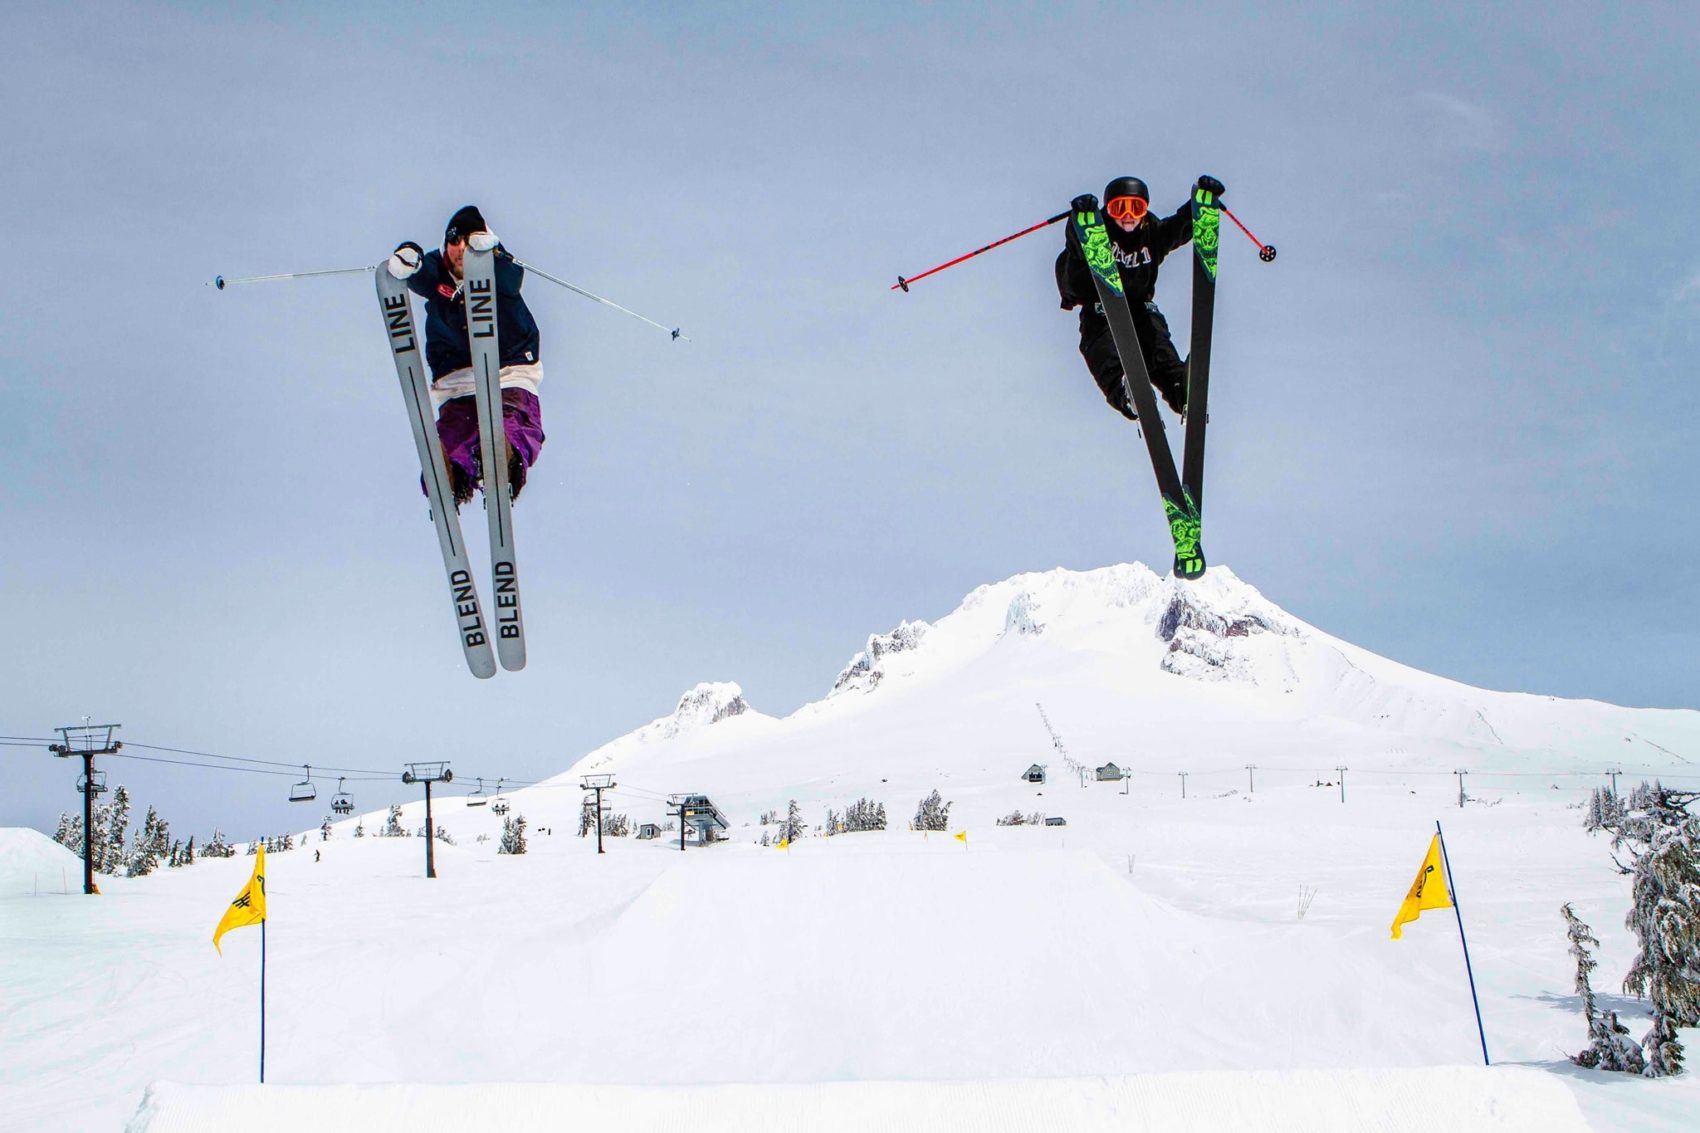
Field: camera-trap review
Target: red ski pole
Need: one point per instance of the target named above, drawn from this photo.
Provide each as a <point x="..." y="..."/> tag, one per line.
<point x="904" y="283"/>
<point x="1265" y="252"/>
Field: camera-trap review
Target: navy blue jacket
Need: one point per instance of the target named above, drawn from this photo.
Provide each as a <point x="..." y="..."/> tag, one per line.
<point x="446" y="345"/>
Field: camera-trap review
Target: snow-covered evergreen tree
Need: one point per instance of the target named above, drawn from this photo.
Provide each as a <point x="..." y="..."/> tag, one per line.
<point x="793" y="826"/>
<point x="443" y="836"/>
<point x="1665" y="918"/>
<point x="513" y="835"/>
<point x="587" y="820"/>
<point x="69" y="833"/>
<point x="933" y="813"/>
<point x="111" y="826"/>
<point x="864" y="815"/>
<point x="1610" y="1046"/>
<point x="145" y="853"/>
<point x="218" y="847"/>
<point x="1661" y="837"/>
<point x="360" y="827"/>
<point x="616" y="825"/>
<point x="392" y="827"/>
<point x="832" y="822"/>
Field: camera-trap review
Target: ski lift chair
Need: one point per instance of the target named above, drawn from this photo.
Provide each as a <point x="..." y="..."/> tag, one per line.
<point x="304" y="792"/>
<point x="340" y="802"/>
<point x="96" y="787"/>
<point x="500" y="805"/>
<point x="476" y="798"/>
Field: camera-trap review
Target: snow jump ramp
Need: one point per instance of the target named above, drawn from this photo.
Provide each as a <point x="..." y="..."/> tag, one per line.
<point x="1473" y="1099"/>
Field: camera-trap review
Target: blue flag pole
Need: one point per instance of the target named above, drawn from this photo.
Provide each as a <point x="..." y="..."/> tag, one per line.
<point x="1453" y="888"/>
<point x="263" y="1002"/>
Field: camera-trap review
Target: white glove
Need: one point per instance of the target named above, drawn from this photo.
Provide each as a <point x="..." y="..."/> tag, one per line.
<point x="482" y="241"/>
<point x="405" y="260"/>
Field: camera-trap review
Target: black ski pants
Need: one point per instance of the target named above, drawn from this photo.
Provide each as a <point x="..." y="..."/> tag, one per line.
<point x="1168" y="371"/>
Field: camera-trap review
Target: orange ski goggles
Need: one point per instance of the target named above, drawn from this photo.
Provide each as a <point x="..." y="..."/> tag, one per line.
<point x="1127" y="208"/>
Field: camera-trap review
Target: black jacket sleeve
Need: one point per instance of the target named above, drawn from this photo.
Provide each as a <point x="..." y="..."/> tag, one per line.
<point x="509" y="275"/>
<point x="423" y="282"/>
<point x="1176" y="231"/>
<point x="1074" y="278"/>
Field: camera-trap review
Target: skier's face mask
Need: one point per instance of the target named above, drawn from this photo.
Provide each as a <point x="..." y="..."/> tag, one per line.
<point x="1127" y="208"/>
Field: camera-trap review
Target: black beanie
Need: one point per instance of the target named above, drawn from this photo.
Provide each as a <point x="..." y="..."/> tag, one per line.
<point x="463" y="224"/>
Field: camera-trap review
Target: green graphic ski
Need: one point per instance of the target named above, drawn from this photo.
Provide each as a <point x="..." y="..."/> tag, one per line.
<point x="1206" y="230"/>
<point x="1092" y="240"/>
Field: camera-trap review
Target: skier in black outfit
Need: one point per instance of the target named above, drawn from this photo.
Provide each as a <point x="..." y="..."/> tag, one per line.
<point x="1141" y="243"/>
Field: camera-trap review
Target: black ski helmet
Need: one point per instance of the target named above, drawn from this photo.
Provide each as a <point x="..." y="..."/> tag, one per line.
<point x="1126" y="187"/>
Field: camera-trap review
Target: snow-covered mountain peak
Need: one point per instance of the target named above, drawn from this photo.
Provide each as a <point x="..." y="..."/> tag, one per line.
<point x="708" y="703"/>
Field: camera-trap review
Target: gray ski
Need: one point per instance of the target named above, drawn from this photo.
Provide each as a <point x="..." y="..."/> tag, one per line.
<point x="492" y="438"/>
<point x="397" y="308"/>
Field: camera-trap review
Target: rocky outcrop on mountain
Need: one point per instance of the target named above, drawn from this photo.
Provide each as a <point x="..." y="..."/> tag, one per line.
<point x="1022" y="618"/>
<point x="708" y="703"/>
<point x="865" y="669"/>
<point x="1200" y="635"/>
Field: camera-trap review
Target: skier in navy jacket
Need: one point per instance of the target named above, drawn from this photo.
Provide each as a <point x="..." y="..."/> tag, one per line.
<point x="1141" y="243"/>
<point x="438" y="277"/>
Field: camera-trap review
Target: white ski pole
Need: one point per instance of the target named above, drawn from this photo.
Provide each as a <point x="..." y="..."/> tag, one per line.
<point x="674" y="331"/>
<point x="220" y="282"/>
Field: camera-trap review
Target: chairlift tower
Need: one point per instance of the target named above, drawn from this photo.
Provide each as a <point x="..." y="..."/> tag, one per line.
<point x="428" y="773"/>
<point x="88" y="740"/>
<point x="597" y="783"/>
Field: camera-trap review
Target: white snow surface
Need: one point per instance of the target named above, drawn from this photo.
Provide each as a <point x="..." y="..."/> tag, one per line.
<point x="1151" y="936"/>
<point x="1499" y="1100"/>
<point x="32" y="863"/>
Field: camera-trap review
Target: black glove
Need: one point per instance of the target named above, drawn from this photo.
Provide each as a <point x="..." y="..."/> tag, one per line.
<point x="1210" y="185"/>
<point x="1085" y="202"/>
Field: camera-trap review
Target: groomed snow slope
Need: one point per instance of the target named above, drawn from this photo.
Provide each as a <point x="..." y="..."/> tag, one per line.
<point x="1509" y="1100"/>
<point x="31" y="862"/>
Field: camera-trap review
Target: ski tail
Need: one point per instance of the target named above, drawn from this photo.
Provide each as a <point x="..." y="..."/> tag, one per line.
<point x="397" y="309"/>
<point x="1206" y="225"/>
<point x="481" y="324"/>
<point x="1093" y="241"/>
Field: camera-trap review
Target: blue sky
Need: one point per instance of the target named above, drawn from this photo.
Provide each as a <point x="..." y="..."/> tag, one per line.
<point x="1452" y="423"/>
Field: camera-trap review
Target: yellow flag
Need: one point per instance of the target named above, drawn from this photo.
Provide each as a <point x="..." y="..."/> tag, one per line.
<point x="962" y="836"/>
<point x="1428" y="891"/>
<point x="250" y="904"/>
<point x="783" y="844"/>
